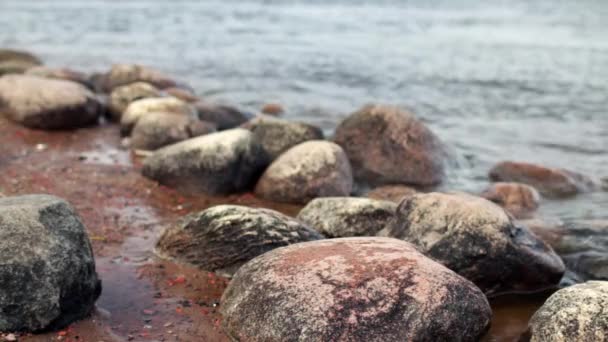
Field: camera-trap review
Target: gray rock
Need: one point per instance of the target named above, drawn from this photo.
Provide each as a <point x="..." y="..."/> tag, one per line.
<point x="47" y="269"/>
<point x="478" y="240"/>
<point x="122" y="96"/>
<point x="225" y="117"/>
<point x="347" y="216"/>
<point x="16" y="62"/>
<point x="140" y="108"/>
<point x="576" y="313"/>
<point x="311" y="169"/>
<point x="217" y="163"/>
<point x="60" y="74"/>
<point x="518" y="199"/>
<point x="387" y="145"/>
<point x="159" y="129"/>
<point x="277" y="135"/>
<point x="222" y="238"/>
<point x="393" y="193"/>
<point x="47" y="104"/>
<point x="351" y="289"/>
<point x="122" y="74"/>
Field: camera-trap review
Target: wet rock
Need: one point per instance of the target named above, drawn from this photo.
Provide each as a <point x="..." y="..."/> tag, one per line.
<point x="60" y="74"/>
<point x="477" y="239"/>
<point x="47" y="269"/>
<point x="47" y="104"/>
<point x="222" y="238"/>
<point x="122" y="74"/>
<point x="277" y="136"/>
<point x="217" y="163"/>
<point x="225" y="117"/>
<point x="308" y="170"/>
<point x="274" y="109"/>
<point x="347" y="216"/>
<point x="576" y="313"/>
<point x="140" y="108"/>
<point x="393" y="193"/>
<point x="518" y="199"/>
<point x="549" y="182"/>
<point x="182" y="94"/>
<point x="16" y="62"/>
<point x="159" y="129"/>
<point x="351" y="289"/>
<point x="387" y="145"/>
<point x="122" y="96"/>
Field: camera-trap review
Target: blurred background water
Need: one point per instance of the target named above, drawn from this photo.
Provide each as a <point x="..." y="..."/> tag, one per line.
<point x="520" y="80"/>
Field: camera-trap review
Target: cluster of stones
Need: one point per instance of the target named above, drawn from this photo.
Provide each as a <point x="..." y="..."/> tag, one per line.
<point x="403" y="263"/>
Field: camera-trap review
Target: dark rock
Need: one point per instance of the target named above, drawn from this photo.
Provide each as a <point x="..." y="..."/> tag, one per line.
<point x="222" y="238"/>
<point x="158" y="129"/>
<point x="548" y="181"/>
<point x="47" y="104"/>
<point x="122" y="74"/>
<point x="393" y="193"/>
<point x="347" y="216"/>
<point x="351" y="289"/>
<point x="60" y="74"/>
<point x="311" y="169"/>
<point x="16" y="62"/>
<point x="217" y="163"/>
<point x="47" y="269"/>
<point x="576" y="313"/>
<point x="387" y="145"/>
<point x="140" y="108"/>
<point x="478" y="240"/>
<point x="518" y="199"/>
<point x="277" y="136"/>
<point x="121" y="97"/>
<point x="225" y="117"/>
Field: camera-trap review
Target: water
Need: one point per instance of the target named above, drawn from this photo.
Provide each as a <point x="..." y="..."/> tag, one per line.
<point x="494" y="79"/>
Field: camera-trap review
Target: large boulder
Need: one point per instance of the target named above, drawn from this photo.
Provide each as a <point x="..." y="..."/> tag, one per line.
<point x="347" y="216"/>
<point x="46" y="103"/>
<point x="121" y="97"/>
<point x="121" y="74"/>
<point x="183" y="94"/>
<point x="478" y="240"/>
<point x="311" y="169"/>
<point x="576" y="313"/>
<point x="60" y="74"/>
<point x="393" y="193"/>
<point x="140" y="108"/>
<point x="47" y="269"/>
<point x="550" y="182"/>
<point x="225" y="117"/>
<point x="387" y="145"/>
<point x="518" y="199"/>
<point x="351" y="289"/>
<point x="222" y="238"/>
<point x="158" y="129"/>
<point x="277" y="135"/>
<point x="217" y="163"/>
<point x="16" y="62"/>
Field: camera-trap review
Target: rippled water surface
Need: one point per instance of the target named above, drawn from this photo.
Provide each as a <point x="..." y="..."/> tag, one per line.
<point x="523" y="80"/>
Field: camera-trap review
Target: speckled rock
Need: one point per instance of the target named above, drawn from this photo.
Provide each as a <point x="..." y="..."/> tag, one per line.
<point x="122" y="74"/>
<point x="140" y="108"/>
<point x="576" y="313"/>
<point x="347" y="216"/>
<point x="222" y="238"/>
<point x="225" y="117"/>
<point x="60" y="74"/>
<point x="47" y="269"/>
<point x="518" y="199"/>
<point x="311" y="169"/>
<point x="16" y="62"/>
<point x="277" y="135"/>
<point x="393" y="193"/>
<point x="47" y="104"/>
<point x="477" y="239"/>
<point x="182" y="94"/>
<point x="387" y="145"/>
<point x="351" y="289"/>
<point x="549" y="182"/>
<point x="159" y="129"/>
<point x="122" y="96"/>
<point x="218" y="163"/>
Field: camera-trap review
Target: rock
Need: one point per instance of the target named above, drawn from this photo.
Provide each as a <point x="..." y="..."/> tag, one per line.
<point x="182" y="94"/>
<point x="122" y="74"/>
<point x="387" y="145"/>
<point x="518" y="199"/>
<point x="478" y="240"/>
<point x="222" y="238"/>
<point x="158" y="129"/>
<point x="351" y="289"/>
<point x="393" y="193"/>
<point x="576" y="313"/>
<point x="140" y="108"/>
<point x="47" y="269"/>
<point x="60" y="74"/>
<point x="549" y="182"/>
<point x="311" y="169"/>
<point x="274" y="109"/>
<point x="217" y="163"/>
<point x="16" y="62"/>
<point x="277" y="136"/>
<point x="225" y="117"/>
<point x="47" y="104"/>
<point x="122" y="96"/>
<point x="347" y="216"/>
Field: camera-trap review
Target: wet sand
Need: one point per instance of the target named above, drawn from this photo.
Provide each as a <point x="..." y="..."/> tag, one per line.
<point x="145" y="298"/>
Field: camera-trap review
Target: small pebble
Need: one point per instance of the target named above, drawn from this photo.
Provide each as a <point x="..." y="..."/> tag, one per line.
<point x="41" y="147"/>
